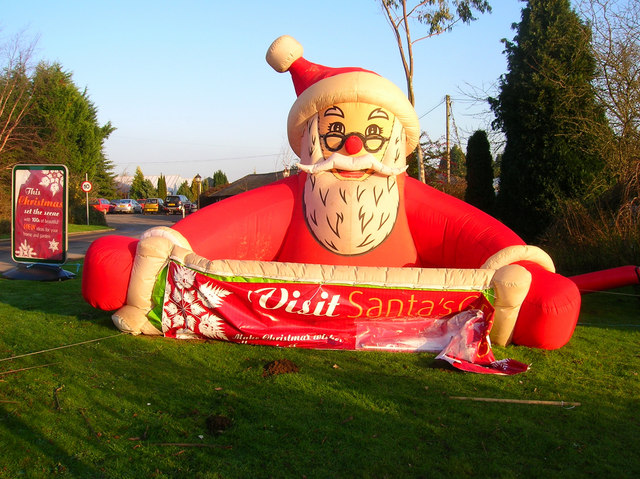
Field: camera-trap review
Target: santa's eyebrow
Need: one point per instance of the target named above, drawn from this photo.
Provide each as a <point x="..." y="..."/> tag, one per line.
<point x="334" y="111"/>
<point x="378" y="113"/>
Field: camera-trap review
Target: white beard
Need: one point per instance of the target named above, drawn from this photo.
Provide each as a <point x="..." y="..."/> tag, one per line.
<point x="350" y="217"/>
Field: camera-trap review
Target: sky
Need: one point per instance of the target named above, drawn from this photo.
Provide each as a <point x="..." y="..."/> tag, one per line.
<point x="186" y="85"/>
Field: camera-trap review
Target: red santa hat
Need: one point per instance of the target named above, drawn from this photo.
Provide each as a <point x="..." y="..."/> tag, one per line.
<point x="319" y="87"/>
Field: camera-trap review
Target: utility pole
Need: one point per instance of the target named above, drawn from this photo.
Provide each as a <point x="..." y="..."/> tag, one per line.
<point x="420" y="163"/>
<point x="447" y="153"/>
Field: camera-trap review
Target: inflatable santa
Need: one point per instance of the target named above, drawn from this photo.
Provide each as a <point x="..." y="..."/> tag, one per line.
<point x="352" y="205"/>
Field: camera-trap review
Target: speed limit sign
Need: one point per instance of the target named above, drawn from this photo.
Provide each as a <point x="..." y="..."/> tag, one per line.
<point x="86" y="186"/>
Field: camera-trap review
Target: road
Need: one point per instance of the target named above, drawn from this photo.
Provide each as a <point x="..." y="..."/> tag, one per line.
<point x="123" y="224"/>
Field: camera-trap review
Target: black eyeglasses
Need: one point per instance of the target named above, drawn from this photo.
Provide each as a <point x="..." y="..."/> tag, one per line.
<point x="334" y="141"/>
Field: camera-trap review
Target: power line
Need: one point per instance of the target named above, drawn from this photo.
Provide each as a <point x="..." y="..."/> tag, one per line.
<point x="211" y="159"/>
<point x="455" y="128"/>
<point x="441" y="102"/>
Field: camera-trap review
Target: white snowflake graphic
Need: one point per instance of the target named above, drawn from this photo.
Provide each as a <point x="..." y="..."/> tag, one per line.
<point x="184" y="277"/>
<point x="25" y="250"/>
<point x="187" y="307"/>
<point x="53" y="180"/>
<point x="178" y="311"/>
<point x="54" y="245"/>
<point x="213" y="295"/>
<point x="211" y="327"/>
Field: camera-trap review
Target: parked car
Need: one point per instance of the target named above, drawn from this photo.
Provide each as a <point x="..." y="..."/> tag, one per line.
<point x="153" y="206"/>
<point x="127" y="206"/>
<point x="112" y="205"/>
<point x="141" y="203"/>
<point x="101" y="205"/>
<point x="177" y="204"/>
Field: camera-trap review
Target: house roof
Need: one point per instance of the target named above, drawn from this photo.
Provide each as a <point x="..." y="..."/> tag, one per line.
<point x="247" y="183"/>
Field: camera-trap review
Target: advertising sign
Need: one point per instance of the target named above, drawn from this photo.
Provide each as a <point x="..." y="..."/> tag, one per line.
<point x="39" y="214"/>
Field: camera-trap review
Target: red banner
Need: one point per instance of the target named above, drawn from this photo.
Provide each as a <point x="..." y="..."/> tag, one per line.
<point x="329" y="316"/>
<point x="39" y="214"/>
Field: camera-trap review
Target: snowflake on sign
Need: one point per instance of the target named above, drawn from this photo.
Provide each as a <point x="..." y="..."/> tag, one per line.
<point x="187" y="306"/>
<point x="54" y="245"/>
<point x="53" y="180"/>
<point x="25" y="250"/>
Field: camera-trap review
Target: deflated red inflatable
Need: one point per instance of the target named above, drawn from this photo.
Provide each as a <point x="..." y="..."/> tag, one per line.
<point x="351" y="206"/>
<point x="607" y="279"/>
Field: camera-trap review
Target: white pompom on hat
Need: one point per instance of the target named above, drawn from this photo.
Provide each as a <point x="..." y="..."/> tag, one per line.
<point x="319" y="87"/>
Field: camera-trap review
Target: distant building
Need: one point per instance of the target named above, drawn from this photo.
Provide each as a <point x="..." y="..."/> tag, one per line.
<point x="213" y="195"/>
<point x="245" y="183"/>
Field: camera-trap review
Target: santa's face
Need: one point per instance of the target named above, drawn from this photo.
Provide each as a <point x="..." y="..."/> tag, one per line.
<point x="352" y="153"/>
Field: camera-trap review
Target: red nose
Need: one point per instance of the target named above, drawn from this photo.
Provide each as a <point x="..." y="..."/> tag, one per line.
<point x="353" y="145"/>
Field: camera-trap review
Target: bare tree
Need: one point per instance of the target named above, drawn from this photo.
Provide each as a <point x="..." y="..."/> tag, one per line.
<point x="438" y="16"/>
<point x="286" y="159"/>
<point x="615" y="26"/>
<point x="15" y="90"/>
<point x="15" y="98"/>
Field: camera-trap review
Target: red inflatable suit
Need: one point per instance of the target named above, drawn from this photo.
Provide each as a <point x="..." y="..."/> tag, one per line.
<point x="351" y="204"/>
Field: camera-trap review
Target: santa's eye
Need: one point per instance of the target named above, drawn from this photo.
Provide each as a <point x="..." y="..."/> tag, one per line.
<point x="336" y="127"/>
<point x="373" y="130"/>
<point x="373" y="139"/>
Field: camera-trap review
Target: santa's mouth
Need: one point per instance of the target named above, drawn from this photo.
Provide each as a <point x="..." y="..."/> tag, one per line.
<point x="351" y="168"/>
<point x="357" y="175"/>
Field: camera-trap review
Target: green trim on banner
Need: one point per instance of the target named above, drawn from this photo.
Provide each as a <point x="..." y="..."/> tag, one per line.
<point x="157" y="297"/>
<point x="490" y="295"/>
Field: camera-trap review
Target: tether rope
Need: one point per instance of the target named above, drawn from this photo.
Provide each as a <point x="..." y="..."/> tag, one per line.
<point x="61" y="347"/>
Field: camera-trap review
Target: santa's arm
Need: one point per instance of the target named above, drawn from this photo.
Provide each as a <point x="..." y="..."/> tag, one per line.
<point x="450" y="233"/>
<point x="120" y="270"/>
<point x="250" y="226"/>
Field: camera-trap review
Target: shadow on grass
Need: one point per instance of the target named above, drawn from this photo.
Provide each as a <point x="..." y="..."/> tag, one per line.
<point x="145" y="403"/>
<point x="51" y="459"/>
<point x="51" y="298"/>
<point x="132" y="406"/>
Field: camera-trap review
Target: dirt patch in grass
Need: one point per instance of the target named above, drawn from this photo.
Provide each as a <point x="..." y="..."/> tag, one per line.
<point x="217" y="424"/>
<point x="279" y="366"/>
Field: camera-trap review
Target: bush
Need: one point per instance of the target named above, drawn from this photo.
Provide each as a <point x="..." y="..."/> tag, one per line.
<point x="456" y="188"/>
<point x="5" y="227"/>
<point x="585" y="240"/>
<point x="78" y="216"/>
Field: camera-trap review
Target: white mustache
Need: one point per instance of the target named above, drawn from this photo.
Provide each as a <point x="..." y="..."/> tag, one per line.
<point x="347" y="163"/>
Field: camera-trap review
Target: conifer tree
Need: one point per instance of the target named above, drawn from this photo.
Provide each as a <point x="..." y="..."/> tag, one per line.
<point x="162" y="187"/>
<point x="456" y="166"/>
<point x="184" y="189"/>
<point x="458" y="163"/>
<point x="546" y="108"/>
<point x="480" y="192"/>
<point x="220" y="178"/>
<point x="137" y="189"/>
<point x="63" y="128"/>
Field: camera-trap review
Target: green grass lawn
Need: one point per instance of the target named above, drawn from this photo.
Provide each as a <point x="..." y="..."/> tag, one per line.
<point x="86" y="228"/>
<point x="128" y="406"/>
<point x="71" y="229"/>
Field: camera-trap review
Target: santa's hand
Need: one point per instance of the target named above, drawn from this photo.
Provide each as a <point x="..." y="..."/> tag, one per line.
<point x="106" y="271"/>
<point x="511" y="285"/>
<point x="152" y="254"/>
<point x="549" y="313"/>
<point x="516" y="253"/>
